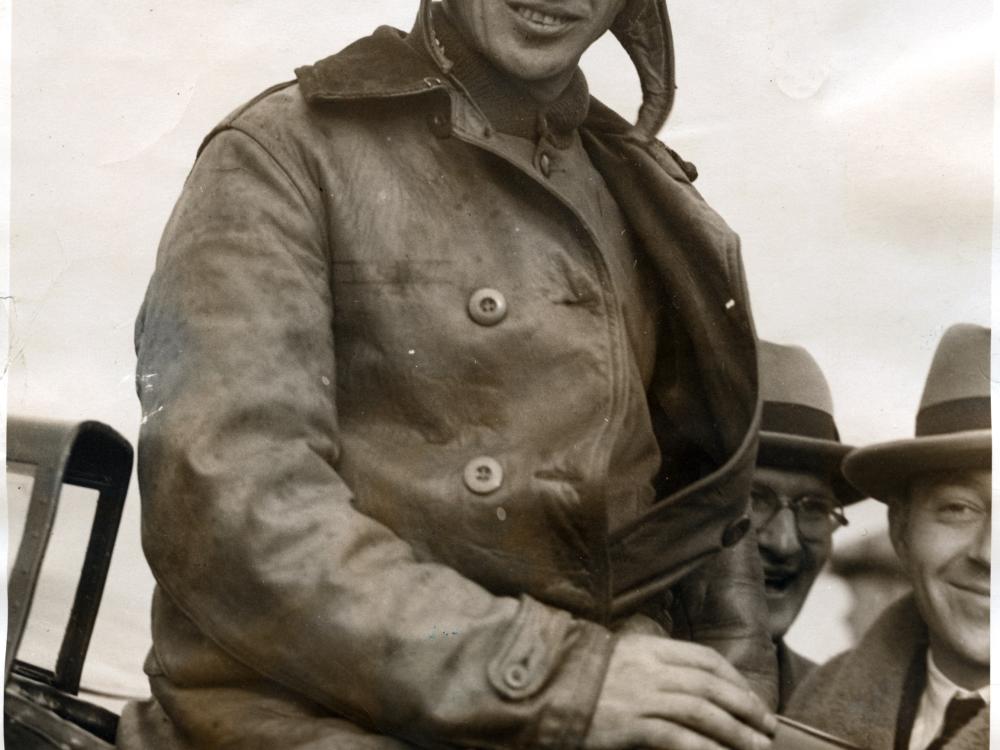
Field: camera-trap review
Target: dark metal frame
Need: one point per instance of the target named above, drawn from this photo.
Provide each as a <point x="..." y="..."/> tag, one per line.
<point x="83" y="454"/>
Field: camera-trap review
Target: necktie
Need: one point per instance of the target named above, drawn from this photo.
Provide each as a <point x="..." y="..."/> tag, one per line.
<point x="960" y="712"/>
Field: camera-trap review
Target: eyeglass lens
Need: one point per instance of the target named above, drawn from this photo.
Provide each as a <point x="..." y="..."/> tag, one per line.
<point x="815" y="515"/>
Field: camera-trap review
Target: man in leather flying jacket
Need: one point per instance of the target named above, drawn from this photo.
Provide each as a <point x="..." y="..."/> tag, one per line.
<point x="450" y="410"/>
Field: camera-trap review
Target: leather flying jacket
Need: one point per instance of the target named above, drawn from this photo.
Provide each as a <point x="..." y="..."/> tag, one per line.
<point x="368" y="512"/>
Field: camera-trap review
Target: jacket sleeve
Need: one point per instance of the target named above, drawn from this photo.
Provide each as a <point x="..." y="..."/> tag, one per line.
<point x="248" y="527"/>
<point x="722" y="605"/>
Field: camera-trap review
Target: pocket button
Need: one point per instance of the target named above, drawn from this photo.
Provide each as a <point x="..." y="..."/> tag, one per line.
<point x="483" y="475"/>
<point x="487" y="307"/>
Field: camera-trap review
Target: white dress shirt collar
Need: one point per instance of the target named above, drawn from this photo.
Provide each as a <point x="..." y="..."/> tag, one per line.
<point x="934" y="702"/>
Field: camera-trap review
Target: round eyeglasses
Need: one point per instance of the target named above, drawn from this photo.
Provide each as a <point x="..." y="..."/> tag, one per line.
<point x="816" y="516"/>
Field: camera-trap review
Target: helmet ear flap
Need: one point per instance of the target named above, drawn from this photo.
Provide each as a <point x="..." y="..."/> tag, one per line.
<point x="643" y="29"/>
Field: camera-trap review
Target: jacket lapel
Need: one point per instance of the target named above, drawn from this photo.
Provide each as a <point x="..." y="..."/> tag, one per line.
<point x="913" y="687"/>
<point x="705" y="390"/>
<point x="860" y="694"/>
<point x="696" y="256"/>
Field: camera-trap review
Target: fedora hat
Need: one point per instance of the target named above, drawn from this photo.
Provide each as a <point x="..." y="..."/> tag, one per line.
<point x="953" y="422"/>
<point x="797" y="429"/>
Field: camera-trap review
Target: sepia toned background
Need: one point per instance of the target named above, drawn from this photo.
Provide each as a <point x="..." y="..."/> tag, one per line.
<point x="848" y="142"/>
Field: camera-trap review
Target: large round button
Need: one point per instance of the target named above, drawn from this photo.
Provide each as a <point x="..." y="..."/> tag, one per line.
<point x="735" y="531"/>
<point x="516" y="676"/>
<point x="487" y="307"/>
<point x="483" y="475"/>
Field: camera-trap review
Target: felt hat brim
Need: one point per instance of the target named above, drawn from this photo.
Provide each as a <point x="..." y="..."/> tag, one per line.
<point x="884" y="470"/>
<point x="782" y="450"/>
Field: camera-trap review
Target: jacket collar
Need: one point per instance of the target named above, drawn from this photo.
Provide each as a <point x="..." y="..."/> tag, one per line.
<point x="381" y="66"/>
<point x="390" y="63"/>
<point x="506" y="102"/>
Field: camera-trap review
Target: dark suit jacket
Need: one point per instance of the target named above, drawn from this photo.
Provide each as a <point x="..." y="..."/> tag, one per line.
<point x="793" y="668"/>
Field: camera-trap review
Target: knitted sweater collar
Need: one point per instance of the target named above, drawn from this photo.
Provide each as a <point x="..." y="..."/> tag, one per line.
<point x="507" y="103"/>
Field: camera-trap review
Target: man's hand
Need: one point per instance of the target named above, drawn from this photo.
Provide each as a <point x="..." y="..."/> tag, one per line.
<point x="675" y="695"/>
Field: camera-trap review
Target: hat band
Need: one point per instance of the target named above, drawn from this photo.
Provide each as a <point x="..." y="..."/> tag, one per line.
<point x="798" y="419"/>
<point x="960" y="415"/>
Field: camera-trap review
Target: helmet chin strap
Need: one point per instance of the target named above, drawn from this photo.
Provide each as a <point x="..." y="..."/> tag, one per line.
<point x="643" y="29"/>
<point x="437" y="52"/>
<point x="432" y="45"/>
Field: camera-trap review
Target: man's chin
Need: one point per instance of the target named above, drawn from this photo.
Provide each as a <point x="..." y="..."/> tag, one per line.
<point x="973" y="642"/>
<point x="973" y="602"/>
<point x="968" y="619"/>
<point x="783" y="605"/>
<point x="966" y="635"/>
<point x="959" y="624"/>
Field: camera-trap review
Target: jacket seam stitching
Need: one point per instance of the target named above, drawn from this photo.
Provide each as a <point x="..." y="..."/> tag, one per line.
<point x="319" y="220"/>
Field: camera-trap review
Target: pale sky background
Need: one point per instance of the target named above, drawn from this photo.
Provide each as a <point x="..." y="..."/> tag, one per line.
<point x="849" y="142"/>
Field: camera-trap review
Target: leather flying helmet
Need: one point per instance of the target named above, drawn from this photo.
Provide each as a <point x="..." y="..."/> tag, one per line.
<point x="643" y="29"/>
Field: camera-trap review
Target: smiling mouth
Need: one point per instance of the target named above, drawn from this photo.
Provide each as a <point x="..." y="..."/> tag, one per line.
<point x="541" y="19"/>
<point x="778" y="583"/>
<point x="973" y="589"/>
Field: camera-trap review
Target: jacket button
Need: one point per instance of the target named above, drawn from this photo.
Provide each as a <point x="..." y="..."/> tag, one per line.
<point x="735" y="531"/>
<point x="545" y="164"/>
<point x="487" y="307"/>
<point x="483" y="475"/>
<point x="516" y="676"/>
<point x="440" y="124"/>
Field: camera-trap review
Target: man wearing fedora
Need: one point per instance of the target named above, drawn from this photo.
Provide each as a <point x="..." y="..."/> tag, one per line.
<point x="798" y="491"/>
<point x="919" y="678"/>
<point x="449" y="385"/>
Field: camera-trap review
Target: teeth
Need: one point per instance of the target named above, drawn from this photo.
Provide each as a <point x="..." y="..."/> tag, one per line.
<point x="536" y="16"/>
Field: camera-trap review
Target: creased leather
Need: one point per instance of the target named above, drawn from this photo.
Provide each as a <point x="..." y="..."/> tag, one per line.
<point x="643" y="29"/>
<point x="305" y="324"/>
